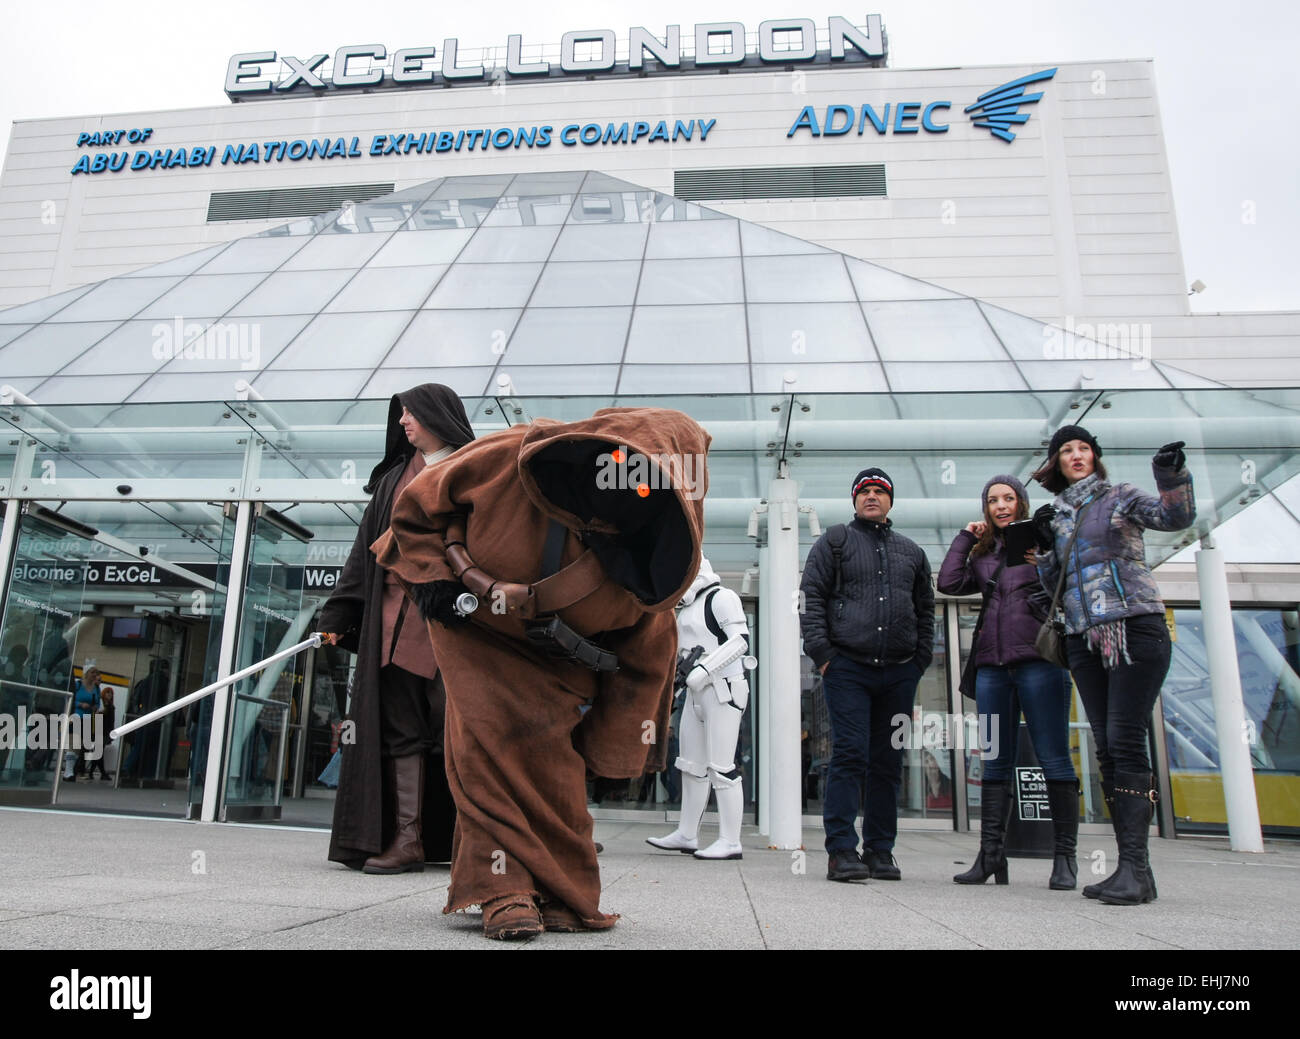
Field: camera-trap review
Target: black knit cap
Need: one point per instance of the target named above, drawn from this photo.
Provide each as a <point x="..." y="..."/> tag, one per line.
<point x="1067" y="433"/>
<point x="872" y="478"/>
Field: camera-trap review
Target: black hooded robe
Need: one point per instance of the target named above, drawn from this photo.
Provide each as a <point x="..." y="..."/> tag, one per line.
<point x="363" y="810"/>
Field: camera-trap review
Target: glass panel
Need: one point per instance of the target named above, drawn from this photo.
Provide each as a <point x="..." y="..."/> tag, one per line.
<point x="467" y="286"/>
<point x="878" y="283"/>
<point x="756" y="240"/>
<point x="691" y="281"/>
<point x="613" y="241"/>
<point x="347" y="340"/>
<point x="186" y="264"/>
<point x="546" y="183"/>
<point x="560" y="336"/>
<point x="254" y="254"/>
<point x="332" y="384"/>
<point x="309" y="225"/>
<point x="75" y="389"/>
<point x="448" y="213"/>
<point x="937" y="377"/>
<point x="454" y="337"/>
<point x="667" y="378"/>
<point x="47" y="348"/>
<point x="11" y="332"/>
<point x="798" y="332"/>
<point x="39" y="310"/>
<point x="421" y="247"/>
<point x="562" y="378"/>
<point x="821" y="378"/>
<point x="277" y="614"/>
<point x="115" y="299"/>
<point x="797" y="279"/>
<point x="693" y="239"/>
<point x="529" y="210"/>
<point x="389" y="288"/>
<point x="335" y="250"/>
<point x="143" y="621"/>
<point x="203" y="294"/>
<point x="297" y="292"/>
<point x="514" y="244"/>
<point x="487" y="186"/>
<point x="1268" y="662"/>
<point x="932" y="331"/>
<point x="688" y="335"/>
<point x="468" y="382"/>
<point x="377" y="216"/>
<point x="1065" y="375"/>
<point x="587" y="284"/>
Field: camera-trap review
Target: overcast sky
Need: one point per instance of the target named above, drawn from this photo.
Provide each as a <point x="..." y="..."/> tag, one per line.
<point x="1225" y="75"/>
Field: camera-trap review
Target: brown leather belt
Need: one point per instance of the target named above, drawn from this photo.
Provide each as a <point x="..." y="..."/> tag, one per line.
<point x="574" y="582"/>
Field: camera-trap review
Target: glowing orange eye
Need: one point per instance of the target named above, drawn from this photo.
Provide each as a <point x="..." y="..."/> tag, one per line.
<point x="617" y="456"/>
<point x="643" y="490"/>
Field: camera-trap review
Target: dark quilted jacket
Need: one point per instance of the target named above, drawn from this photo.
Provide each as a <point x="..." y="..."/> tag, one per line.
<point x="1107" y="577"/>
<point x="1015" y="611"/>
<point x="885" y="614"/>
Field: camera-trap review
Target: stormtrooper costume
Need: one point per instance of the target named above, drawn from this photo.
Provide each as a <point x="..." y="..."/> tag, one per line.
<point x="710" y="616"/>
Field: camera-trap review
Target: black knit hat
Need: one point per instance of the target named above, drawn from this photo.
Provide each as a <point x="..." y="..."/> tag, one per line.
<point x="872" y="478"/>
<point x="1067" y="433"/>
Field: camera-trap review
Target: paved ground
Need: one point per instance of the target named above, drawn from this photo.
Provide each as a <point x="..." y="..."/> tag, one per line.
<point x="72" y="881"/>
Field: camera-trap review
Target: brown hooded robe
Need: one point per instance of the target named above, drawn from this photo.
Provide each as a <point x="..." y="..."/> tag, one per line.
<point x="518" y="746"/>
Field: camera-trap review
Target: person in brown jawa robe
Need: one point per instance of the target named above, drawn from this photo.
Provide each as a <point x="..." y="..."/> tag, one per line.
<point x="609" y="510"/>
<point x="393" y="810"/>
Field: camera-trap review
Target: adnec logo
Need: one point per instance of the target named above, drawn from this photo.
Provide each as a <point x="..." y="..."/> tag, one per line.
<point x="995" y="110"/>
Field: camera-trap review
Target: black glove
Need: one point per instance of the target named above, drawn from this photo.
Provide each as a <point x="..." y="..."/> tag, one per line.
<point x="1043" y="536"/>
<point x="1170" y="456"/>
<point x="437" y="601"/>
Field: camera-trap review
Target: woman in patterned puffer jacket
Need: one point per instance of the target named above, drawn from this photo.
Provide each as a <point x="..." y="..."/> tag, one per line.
<point x="1117" y="640"/>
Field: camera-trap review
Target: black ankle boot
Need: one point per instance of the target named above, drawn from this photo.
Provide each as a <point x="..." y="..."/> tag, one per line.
<point x="1063" y="799"/>
<point x="1131" y="884"/>
<point x="991" y="860"/>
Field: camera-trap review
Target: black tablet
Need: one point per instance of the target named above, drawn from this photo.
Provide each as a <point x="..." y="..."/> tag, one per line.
<point x="1019" y="537"/>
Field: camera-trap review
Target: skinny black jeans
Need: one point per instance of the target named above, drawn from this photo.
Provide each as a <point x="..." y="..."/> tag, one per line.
<point x="1119" y="702"/>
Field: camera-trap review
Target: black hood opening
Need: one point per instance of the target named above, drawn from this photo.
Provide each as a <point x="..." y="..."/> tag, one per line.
<point x="652" y="550"/>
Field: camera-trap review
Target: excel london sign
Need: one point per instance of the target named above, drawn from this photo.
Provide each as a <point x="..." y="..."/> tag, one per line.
<point x="585" y="52"/>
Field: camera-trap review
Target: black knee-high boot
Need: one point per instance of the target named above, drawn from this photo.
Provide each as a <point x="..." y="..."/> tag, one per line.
<point x="992" y="859"/>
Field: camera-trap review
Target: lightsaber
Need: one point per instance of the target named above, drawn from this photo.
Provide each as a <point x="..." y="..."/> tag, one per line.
<point x="198" y="694"/>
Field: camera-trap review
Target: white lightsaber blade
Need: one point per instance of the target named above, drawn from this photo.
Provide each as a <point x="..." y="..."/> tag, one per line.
<point x="199" y="694"/>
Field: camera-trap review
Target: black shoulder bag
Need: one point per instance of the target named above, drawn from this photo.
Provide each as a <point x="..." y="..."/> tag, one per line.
<point x="1050" y="641"/>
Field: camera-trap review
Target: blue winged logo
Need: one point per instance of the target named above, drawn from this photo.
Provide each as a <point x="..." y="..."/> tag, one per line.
<point x="997" y="109"/>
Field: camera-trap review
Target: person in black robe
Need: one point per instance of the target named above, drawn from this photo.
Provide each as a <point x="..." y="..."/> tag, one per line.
<point x="393" y="810"/>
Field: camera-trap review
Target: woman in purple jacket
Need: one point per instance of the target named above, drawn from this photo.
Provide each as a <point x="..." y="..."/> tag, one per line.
<point x="1011" y="678"/>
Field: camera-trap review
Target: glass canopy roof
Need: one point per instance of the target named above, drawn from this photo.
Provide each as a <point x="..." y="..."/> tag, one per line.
<point x="570" y="283"/>
<point x="311" y="457"/>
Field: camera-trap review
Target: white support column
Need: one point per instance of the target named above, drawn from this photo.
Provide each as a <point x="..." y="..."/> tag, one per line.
<point x="1229" y="714"/>
<point x="766" y="630"/>
<point x="782" y="627"/>
<point x="215" y="776"/>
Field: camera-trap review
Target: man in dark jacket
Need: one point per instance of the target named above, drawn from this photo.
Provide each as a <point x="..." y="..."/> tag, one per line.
<point x="393" y="808"/>
<point x="868" y="624"/>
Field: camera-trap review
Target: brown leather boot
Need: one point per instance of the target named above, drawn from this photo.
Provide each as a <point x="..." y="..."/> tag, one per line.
<point x="406" y="852"/>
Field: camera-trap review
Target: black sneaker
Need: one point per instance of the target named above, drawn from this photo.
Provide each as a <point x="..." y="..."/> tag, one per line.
<point x="846" y="866"/>
<point x="881" y="865"/>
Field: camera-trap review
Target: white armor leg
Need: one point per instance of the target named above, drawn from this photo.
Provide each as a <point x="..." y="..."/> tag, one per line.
<point x="731" y="805"/>
<point x="695" y="782"/>
<point x="722" y="719"/>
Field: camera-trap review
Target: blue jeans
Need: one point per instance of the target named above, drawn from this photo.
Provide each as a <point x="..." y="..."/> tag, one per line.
<point x="862" y="703"/>
<point x="1042" y="691"/>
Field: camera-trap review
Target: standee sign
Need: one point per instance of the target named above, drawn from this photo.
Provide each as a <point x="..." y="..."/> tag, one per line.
<point x="718" y="46"/>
